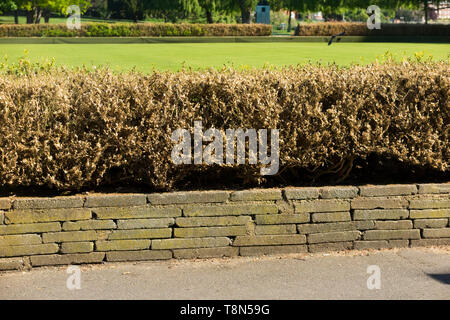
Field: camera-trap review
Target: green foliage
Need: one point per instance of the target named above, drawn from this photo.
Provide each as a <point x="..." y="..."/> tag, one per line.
<point x="24" y="66"/>
<point x="278" y="17"/>
<point x="7" y="5"/>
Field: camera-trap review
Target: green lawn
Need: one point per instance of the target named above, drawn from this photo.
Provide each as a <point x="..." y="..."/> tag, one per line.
<point x="171" y="56"/>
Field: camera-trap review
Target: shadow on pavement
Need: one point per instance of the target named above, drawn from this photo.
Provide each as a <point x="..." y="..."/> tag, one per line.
<point x="444" y="278"/>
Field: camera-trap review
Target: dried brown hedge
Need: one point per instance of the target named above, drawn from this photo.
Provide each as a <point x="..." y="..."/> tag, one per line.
<point x="360" y="29"/>
<point x="134" y="30"/>
<point x="71" y="129"/>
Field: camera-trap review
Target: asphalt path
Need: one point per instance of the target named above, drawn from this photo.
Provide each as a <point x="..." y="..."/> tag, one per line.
<point x="414" y="273"/>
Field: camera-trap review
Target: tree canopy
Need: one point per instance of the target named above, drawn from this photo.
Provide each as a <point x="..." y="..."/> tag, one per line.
<point x="173" y="10"/>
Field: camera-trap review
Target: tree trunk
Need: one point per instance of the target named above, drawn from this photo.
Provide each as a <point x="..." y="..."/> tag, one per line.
<point x="425" y="3"/>
<point x="37" y="15"/>
<point x="289" y="21"/>
<point x="30" y="15"/>
<point x="245" y="12"/>
<point x="16" y="16"/>
<point x="209" y="17"/>
<point x="46" y="16"/>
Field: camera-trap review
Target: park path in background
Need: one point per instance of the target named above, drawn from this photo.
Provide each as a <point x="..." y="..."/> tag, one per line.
<point x="419" y="273"/>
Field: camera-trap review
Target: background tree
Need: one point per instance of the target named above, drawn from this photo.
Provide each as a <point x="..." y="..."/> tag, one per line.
<point x="10" y="6"/>
<point x="60" y="7"/>
<point x="294" y="5"/>
<point x="245" y="8"/>
<point x="36" y="9"/>
<point x="7" y="6"/>
<point x="172" y="10"/>
<point x="209" y="6"/>
<point x="136" y="9"/>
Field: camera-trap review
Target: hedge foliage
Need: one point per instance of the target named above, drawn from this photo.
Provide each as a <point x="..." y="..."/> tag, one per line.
<point x="77" y="129"/>
<point x="360" y="29"/>
<point x="134" y="30"/>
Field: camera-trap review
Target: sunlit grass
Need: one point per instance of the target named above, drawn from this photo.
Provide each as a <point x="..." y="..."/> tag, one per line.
<point x="175" y="56"/>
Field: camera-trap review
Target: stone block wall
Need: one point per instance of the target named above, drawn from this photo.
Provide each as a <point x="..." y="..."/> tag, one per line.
<point x="183" y="225"/>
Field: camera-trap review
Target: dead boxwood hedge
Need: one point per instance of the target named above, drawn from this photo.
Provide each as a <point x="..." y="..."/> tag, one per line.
<point x="360" y="29"/>
<point x="70" y="129"/>
<point x="134" y="30"/>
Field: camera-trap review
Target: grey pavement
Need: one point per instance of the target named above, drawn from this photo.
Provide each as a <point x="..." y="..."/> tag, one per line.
<point x="419" y="273"/>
